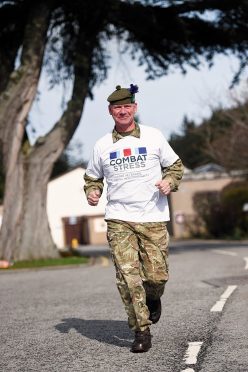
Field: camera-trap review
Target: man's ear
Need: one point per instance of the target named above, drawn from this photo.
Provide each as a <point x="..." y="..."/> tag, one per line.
<point x="110" y="109"/>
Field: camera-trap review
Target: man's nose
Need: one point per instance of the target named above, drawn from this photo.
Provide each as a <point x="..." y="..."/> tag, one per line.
<point x="122" y="111"/>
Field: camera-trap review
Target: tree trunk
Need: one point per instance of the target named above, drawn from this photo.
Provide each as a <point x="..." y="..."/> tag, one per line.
<point x="6" y="66"/>
<point x="12" y="25"/>
<point x="27" y="235"/>
<point x="15" y="103"/>
<point x="25" y="232"/>
<point x="16" y="100"/>
<point x="34" y="234"/>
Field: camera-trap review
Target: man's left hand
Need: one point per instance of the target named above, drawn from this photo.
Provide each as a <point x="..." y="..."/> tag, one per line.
<point x="163" y="186"/>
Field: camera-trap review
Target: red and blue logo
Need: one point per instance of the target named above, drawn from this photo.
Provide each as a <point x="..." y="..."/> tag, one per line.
<point x="128" y="152"/>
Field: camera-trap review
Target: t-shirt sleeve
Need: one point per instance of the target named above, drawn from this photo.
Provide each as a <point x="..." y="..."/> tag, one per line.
<point x="94" y="168"/>
<point x="167" y="154"/>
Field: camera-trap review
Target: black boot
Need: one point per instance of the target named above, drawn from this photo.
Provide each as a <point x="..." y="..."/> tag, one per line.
<point x="142" y="342"/>
<point x="154" y="307"/>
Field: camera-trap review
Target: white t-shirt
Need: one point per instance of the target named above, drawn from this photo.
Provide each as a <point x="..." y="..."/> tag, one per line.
<point x="131" y="167"/>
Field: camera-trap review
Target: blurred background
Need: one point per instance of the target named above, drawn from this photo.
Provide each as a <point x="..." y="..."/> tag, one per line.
<point x="59" y="60"/>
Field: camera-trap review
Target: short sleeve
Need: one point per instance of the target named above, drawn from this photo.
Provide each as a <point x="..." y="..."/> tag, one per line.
<point x="94" y="168"/>
<point x="167" y="154"/>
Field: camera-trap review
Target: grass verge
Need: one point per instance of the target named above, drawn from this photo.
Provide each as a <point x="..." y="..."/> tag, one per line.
<point x="61" y="261"/>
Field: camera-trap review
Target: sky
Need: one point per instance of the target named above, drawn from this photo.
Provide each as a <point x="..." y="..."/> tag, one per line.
<point x="162" y="103"/>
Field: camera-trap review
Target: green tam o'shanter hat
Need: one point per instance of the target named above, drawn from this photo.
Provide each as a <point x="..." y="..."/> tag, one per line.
<point x="123" y="96"/>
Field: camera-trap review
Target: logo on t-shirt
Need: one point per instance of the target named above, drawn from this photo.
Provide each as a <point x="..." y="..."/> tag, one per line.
<point x="128" y="158"/>
<point x="128" y="152"/>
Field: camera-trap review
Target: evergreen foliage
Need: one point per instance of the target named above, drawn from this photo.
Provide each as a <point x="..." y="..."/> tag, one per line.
<point x="158" y="34"/>
<point x="221" y="139"/>
<point x="189" y="145"/>
<point x="222" y="213"/>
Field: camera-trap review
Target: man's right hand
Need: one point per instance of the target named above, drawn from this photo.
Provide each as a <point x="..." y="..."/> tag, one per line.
<point x="93" y="197"/>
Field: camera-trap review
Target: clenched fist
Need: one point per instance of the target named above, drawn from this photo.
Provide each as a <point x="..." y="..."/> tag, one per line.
<point x="163" y="186"/>
<point x="93" y="197"/>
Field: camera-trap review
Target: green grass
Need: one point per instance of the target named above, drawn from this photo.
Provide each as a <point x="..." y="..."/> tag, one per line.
<point x="50" y="262"/>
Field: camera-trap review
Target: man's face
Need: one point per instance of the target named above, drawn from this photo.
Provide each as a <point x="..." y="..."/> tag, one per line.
<point x="123" y="115"/>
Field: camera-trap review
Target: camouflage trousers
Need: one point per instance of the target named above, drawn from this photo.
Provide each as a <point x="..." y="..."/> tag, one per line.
<point x="140" y="254"/>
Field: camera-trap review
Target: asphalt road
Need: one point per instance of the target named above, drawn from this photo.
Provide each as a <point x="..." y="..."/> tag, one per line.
<point x="72" y="319"/>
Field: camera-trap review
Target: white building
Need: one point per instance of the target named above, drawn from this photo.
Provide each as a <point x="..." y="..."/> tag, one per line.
<point x="67" y="210"/>
<point x="70" y="217"/>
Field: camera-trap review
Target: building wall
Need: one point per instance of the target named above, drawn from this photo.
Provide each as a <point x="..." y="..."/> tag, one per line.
<point x="66" y="198"/>
<point x="182" y="200"/>
<point x="97" y="229"/>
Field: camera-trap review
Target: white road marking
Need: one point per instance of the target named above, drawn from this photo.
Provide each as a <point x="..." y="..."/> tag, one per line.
<point x="223" y="298"/>
<point x="220" y="251"/>
<point x="246" y="263"/>
<point x="188" y="370"/>
<point x="192" y="352"/>
<point x="123" y="339"/>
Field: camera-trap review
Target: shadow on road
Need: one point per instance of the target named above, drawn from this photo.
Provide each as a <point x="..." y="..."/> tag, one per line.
<point x="113" y="332"/>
